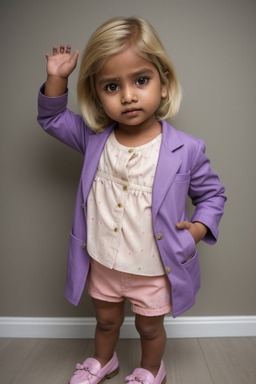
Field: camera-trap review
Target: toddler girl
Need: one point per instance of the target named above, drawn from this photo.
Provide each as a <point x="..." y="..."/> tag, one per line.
<point x="131" y="238"/>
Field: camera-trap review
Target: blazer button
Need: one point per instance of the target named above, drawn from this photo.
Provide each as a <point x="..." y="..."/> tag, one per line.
<point x="159" y="236"/>
<point x="84" y="245"/>
<point x="83" y="205"/>
<point x="168" y="270"/>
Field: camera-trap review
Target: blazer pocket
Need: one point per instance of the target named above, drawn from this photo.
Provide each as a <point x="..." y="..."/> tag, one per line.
<point x="182" y="177"/>
<point x="189" y="247"/>
<point x="189" y="258"/>
<point x="192" y="268"/>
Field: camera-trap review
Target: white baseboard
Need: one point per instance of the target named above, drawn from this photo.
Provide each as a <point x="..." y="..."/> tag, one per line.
<point x="182" y="327"/>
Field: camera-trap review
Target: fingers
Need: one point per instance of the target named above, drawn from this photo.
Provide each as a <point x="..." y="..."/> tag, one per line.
<point x="183" y="225"/>
<point x="74" y="57"/>
<point x="62" y="49"/>
<point x="54" y="50"/>
<point x="68" y="49"/>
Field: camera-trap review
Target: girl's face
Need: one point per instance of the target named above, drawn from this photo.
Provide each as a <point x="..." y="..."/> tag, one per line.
<point x="129" y="89"/>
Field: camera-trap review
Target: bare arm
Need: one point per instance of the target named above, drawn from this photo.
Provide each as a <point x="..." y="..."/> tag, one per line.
<point x="59" y="66"/>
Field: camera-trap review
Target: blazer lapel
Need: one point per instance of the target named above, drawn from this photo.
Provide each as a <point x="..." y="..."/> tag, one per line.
<point x="94" y="149"/>
<point x="167" y="167"/>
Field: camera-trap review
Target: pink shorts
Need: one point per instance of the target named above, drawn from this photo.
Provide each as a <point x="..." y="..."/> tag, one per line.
<point x="149" y="295"/>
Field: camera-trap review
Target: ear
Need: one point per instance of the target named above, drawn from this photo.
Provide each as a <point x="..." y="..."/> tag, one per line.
<point x="164" y="91"/>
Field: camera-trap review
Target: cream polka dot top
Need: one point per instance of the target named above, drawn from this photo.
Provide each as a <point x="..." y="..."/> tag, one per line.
<point x="119" y="221"/>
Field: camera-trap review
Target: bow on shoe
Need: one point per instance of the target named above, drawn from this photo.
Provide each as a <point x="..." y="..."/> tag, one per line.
<point x="80" y="367"/>
<point x="142" y="376"/>
<point x="133" y="379"/>
<point x="84" y="374"/>
<point x="89" y="369"/>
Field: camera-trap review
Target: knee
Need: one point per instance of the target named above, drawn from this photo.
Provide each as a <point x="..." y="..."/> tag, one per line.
<point x="146" y="332"/>
<point x="109" y="324"/>
<point x="149" y="330"/>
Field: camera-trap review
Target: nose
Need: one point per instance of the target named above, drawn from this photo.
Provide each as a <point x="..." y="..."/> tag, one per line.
<point x="128" y="95"/>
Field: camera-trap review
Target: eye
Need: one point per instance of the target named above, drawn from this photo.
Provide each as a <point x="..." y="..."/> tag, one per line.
<point x="142" y="80"/>
<point x="111" y="87"/>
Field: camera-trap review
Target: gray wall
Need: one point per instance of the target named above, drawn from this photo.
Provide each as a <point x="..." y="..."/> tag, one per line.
<point x="212" y="44"/>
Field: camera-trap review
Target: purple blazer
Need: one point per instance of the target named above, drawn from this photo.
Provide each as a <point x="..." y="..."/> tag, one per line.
<point x="182" y="169"/>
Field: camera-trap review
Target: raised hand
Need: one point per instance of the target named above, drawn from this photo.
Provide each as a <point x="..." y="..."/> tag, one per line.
<point x="59" y="66"/>
<point x="61" y="63"/>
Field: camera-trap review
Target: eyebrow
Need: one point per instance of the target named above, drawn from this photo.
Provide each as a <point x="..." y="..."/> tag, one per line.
<point x="142" y="71"/>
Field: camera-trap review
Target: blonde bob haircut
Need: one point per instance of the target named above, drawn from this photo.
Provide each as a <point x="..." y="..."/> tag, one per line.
<point x="113" y="37"/>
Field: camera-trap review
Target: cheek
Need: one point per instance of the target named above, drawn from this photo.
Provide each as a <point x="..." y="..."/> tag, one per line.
<point x="109" y="106"/>
<point x="103" y="98"/>
<point x="155" y="94"/>
<point x="104" y="101"/>
<point x="154" y="99"/>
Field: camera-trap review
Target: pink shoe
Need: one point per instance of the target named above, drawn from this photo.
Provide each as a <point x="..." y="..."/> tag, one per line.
<point x="90" y="372"/>
<point x="142" y="376"/>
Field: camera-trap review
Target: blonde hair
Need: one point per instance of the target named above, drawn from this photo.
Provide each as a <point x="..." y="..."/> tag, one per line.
<point x="111" y="38"/>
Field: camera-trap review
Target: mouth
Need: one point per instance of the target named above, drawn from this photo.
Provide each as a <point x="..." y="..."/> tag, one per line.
<point x="131" y="112"/>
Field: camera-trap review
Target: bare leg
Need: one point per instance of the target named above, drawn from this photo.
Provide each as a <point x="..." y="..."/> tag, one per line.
<point x="110" y="317"/>
<point x="153" y="339"/>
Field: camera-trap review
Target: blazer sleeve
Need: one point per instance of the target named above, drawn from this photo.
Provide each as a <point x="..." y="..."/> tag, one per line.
<point x="207" y="194"/>
<point x="57" y="120"/>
